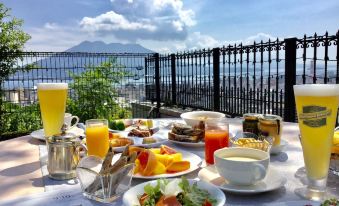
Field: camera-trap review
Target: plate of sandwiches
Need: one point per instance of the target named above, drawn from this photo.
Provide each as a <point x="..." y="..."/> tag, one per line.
<point x="141" y="137"/>
<point x="185" y="135"/>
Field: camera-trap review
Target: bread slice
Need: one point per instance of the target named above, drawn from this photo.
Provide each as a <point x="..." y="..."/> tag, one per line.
<point x="184" y="138"/>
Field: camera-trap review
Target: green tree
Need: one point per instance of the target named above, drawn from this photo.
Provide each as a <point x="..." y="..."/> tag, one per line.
<point x="12" y="40"/>
<point x="94" y="92"/>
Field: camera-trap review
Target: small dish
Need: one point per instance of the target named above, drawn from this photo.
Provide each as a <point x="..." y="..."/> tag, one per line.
<point x="279" y="148"/>
<point x="195" y="161"/>
<point x="130" y="197"/>
<point x="193" y="118"/>
<point x="40" y="134"/>
<point x="272" y="181"/>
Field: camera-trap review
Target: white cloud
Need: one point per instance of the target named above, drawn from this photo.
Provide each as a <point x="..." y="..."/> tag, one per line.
<point x="197" y="40"/>
<point x="251" y="39"/>
<point x="55" y="38"/>
<point x="50" y="26"/>
<point x="200" y="41"/>
<point x="112" y="21"/>
<point x="139" y="20"/>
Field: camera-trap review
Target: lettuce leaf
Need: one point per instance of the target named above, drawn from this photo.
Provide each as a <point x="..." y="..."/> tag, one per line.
<point x="193" y="195"/>
<point x="154" y="193"/>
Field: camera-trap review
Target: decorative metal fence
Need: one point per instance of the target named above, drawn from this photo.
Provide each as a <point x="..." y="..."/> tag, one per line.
<point x="233" y="79"/>
<point x="100" y="85"/>
<point x="237" y="79"/>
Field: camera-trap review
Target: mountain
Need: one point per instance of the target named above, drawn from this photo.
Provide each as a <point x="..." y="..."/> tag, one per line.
<point x="56" y="67"/>
<point x="101" y="47"/>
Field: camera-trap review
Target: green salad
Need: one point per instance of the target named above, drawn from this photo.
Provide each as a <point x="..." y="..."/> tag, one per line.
<point x="177" y="192"/>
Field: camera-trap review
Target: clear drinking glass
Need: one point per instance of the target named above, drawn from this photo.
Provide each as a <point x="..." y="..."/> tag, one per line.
<point x="97" y="140"/>
<point x="317" y="106"/>
<point x="103" y="187"/>
<point x="334" y="163"/>
<point x="52" y="99"/>
<point x="216" y="137"/>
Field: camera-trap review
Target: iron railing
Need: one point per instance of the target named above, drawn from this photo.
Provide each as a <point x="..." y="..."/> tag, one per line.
<point x="233" y="79"/>
<point x="124" y="83"/>
<point x="238" y="79"/>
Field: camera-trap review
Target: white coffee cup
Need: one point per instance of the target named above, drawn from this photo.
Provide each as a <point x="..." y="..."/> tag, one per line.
<point x="68" y="120"/>
<point x="241" y="166"/>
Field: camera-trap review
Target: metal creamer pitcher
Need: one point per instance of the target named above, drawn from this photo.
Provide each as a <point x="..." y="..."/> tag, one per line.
<point x="63" y="155"/>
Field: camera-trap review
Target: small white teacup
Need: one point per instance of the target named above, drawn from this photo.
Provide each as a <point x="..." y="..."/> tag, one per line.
<point x="68" y="120"/>
<point x="240" y="165"/>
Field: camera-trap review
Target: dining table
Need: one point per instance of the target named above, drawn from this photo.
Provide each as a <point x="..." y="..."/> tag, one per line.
<point x="24" y="177"/>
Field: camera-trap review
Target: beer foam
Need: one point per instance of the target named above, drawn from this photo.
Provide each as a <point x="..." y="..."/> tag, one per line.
<point x="321" y="90"/>
<point x="52" y="86"/>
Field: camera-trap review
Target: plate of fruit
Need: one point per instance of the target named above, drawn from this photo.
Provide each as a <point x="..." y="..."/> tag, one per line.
<point x="163" y="162"/>
<point x="119" y="141"/>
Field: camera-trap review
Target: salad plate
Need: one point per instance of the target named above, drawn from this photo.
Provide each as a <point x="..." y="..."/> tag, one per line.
<point x="273" y="180"/>
<point x="195" y="162"/>
<point x="130" y="197"/>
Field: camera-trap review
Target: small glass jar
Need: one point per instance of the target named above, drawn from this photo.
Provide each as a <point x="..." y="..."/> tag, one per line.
<point x="250" y="123"/>
<point x="270" y="125"/>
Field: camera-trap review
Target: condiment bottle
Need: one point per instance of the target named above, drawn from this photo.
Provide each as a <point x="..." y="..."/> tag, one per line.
<point x="271" y="125"/>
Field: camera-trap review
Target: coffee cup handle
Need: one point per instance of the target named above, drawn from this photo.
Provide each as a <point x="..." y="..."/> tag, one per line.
<point x="260" y="172"/>
<point x="81" y="146"/>
<point x="76" y="122"/>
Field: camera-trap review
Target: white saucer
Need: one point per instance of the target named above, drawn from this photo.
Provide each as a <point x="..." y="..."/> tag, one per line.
<point x="272" y="181"/>
<point x="279" y="148"/>
<point x="40" y="135"/>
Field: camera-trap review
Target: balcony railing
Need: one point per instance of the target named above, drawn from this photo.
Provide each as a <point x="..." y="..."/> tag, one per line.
<point x="234" y="79"/>
<point x="238" y="79"/>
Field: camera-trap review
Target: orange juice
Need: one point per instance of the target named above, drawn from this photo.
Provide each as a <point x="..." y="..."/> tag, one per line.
<point x="52" y="98"/>
<point x="97" y="139"/>
<point x="214" y="140"/>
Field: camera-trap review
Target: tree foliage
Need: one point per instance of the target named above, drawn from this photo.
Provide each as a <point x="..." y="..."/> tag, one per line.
<point x="12" y="40"/>
<point x="94" y="94"/>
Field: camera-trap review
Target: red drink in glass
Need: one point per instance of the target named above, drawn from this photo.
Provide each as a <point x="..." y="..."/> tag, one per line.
<point x="215" y="139"/>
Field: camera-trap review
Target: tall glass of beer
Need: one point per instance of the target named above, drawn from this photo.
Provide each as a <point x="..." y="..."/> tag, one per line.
<point x="52" y="98"/>
<point x="317" y="106"/>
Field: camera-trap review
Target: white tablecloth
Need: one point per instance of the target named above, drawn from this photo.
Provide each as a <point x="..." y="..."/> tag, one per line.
<point x="287" y="162"/>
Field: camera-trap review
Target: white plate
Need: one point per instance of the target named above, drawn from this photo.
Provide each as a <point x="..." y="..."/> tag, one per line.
<point x="279" y="148"/>
<point x="195" y="161"/>
<point x="40" y="134"/>
<point x="272" y="181"/>
<point x="130" y="197"/>
<point x="188" y="144"/>
<point x="138" y="142"/>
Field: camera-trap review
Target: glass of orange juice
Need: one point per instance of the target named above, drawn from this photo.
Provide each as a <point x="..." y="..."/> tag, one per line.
<point x="216" y="137"/>
<point x="97" y="137"/>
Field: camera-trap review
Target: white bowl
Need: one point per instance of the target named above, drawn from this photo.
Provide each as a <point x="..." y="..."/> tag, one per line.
<point x="193" y="118"/>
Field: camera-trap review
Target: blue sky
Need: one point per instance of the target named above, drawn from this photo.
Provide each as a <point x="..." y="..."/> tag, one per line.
<point x="170" y="25"/>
